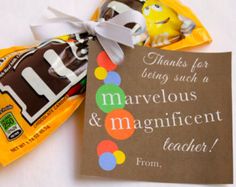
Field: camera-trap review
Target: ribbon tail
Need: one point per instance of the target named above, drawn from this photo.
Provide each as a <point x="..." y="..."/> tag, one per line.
<point x="60" y="14"/>
<point x="47" y="31"/>
<point x="112" y="49"/>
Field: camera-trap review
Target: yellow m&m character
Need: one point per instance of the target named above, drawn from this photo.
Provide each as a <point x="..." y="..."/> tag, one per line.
<point x="164" y="25"/>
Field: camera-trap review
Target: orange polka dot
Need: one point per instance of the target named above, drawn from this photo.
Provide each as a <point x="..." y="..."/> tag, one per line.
<point x="104" y="61"/>
<point x="119" y="124"/>
<point x="106" y="146"/>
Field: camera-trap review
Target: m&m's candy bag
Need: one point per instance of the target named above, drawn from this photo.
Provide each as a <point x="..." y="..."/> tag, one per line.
<point x="170" y="24"/>
<point x="40" y="88"/>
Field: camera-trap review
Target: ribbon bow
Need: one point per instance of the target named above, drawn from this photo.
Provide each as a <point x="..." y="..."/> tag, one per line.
<point x="109" y="33"/>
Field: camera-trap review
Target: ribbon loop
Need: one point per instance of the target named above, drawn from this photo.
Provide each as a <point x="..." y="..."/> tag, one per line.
<point x="116" y="33"/>
<point x="109" y="33"/>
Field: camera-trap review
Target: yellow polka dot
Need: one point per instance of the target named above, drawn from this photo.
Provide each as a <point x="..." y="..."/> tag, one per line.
<point x="100" y="73"/>
<point x="120" y="157"/>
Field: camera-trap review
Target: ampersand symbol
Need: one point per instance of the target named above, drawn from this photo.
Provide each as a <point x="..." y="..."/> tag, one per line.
<point x="94" y="120"/>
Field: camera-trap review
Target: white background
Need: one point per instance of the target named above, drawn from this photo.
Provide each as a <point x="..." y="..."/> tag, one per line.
<point x="56" y="162"/>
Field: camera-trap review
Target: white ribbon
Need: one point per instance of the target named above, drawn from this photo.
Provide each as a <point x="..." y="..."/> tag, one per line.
<point x="109" y="33"/>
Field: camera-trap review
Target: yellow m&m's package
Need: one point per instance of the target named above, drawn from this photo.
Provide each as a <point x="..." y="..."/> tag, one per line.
<point x="170" y="24"/>
<point x="40" y="88"/>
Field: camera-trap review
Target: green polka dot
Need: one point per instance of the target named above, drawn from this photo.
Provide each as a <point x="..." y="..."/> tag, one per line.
<point x="110" y="97"/>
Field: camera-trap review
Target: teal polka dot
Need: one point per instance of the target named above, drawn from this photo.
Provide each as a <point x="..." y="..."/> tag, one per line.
<point x="113" y="78"/>
<point x="107" y="161"/>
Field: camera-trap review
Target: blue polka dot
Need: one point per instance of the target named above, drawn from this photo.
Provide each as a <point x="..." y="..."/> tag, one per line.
<point x="113" y="78"/>
<point x="107" y="161"/>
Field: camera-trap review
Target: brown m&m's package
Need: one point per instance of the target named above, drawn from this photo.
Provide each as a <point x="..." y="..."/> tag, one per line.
<point x="40" y="88"/>
<point x="170" y="24"/>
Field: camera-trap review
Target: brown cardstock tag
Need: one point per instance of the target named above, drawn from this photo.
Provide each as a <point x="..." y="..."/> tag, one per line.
<point x="182" y="106"/>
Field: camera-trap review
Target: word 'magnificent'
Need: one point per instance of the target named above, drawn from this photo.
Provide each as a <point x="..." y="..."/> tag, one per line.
<point x="169" y="120"/>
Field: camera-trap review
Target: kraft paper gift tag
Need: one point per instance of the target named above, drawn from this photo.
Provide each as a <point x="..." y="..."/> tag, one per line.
<point x="161" y="116"/>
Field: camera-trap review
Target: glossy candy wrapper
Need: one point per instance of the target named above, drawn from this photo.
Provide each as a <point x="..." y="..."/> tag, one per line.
<point x="40" y="88"/>
<point x="170" y="25"/>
